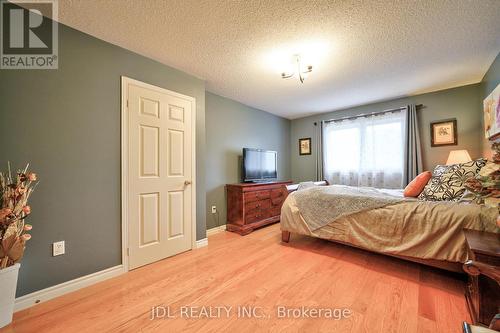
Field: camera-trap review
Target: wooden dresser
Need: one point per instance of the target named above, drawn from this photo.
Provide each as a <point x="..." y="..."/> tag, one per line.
<point x="483" y="293"/>
<point x="253" y="205"/>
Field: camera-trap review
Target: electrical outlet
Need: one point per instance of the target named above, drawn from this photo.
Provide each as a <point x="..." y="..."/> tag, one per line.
<point x="58" y="248"/>
<point x="214" y="209"/>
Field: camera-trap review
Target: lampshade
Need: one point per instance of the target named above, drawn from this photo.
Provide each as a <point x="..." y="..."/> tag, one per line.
<point x="458" y="156"/>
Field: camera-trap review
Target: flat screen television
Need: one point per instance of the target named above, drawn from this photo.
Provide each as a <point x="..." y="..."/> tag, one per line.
<point x="259" y="165"/>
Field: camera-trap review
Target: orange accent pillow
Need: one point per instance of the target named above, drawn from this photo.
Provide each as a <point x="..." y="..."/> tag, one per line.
<point x="417" y="185"/>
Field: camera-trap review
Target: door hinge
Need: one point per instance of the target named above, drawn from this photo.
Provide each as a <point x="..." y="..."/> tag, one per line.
<point x="127" y="103"/>
<point x="128" y="252"/>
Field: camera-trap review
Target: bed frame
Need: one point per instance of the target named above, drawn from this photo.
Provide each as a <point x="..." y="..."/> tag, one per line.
<point x="441" y="264"/>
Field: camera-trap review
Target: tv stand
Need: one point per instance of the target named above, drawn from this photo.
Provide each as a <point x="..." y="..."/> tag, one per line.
<point x="253" y="205"/>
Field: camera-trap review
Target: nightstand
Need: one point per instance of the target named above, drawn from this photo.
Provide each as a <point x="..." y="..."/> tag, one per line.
<point x="482" y="292"/>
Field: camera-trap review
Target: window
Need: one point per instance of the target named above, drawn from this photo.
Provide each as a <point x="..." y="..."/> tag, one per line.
<point x="365" y="151"/>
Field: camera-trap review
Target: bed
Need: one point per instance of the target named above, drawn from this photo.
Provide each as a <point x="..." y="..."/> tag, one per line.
<point x="383" y="221"/>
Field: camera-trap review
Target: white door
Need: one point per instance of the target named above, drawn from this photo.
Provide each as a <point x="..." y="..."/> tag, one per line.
<point x="160" y="169"/>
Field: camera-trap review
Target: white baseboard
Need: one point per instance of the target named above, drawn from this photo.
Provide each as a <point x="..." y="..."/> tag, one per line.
<point x="204" y="242"/>
<point x="46" y="294"/>
<point x="216" y="230"/>
<point x="201" y="243"/>
<point x="49" y="293"/>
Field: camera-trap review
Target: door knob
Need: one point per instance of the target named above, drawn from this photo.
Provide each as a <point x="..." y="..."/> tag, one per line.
<point x="187" y="182"/>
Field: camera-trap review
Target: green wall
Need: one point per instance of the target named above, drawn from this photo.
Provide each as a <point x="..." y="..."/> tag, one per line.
<point x="66" y="122"/>
<point x="230" y="127"/>
<point x="460" y="103"/>
<point x="489" y="82"/>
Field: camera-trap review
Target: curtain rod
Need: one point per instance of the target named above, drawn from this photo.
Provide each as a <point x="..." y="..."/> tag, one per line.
<point x="369" y="114"/>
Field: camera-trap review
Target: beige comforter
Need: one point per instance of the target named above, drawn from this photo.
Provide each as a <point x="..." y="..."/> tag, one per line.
<point x="419" y="229"/>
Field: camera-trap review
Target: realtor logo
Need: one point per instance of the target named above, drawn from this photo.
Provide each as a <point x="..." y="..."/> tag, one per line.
<point x="29" y="38"/>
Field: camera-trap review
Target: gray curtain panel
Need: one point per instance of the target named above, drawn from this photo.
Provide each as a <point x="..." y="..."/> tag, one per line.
<point x="319" y="151"/>
<point x="413" y="153"/>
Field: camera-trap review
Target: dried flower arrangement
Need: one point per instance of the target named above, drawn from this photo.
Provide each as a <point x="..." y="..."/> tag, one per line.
<point x="486" y="186"/>
<point x="14" y="208"/>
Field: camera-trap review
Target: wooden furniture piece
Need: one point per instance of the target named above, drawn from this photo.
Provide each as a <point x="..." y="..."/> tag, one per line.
<point x="253" y="205"/>
<point x="441" y="264"/>
<point x="483" y="290"/>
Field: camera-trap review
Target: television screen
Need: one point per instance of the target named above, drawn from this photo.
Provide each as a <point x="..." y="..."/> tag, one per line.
<point x="259" y="164"/>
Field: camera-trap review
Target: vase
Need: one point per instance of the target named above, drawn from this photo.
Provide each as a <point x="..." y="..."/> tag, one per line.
<point x="8" y="284"/>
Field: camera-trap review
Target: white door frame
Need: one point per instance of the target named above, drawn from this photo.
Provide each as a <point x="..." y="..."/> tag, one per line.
<point x="125" y="81"/>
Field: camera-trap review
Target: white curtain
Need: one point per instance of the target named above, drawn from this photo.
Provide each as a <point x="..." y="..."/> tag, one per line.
<point x="365" y="151"/>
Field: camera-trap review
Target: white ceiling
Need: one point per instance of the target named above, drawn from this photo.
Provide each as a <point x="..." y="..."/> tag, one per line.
<point x="362" y="51"/>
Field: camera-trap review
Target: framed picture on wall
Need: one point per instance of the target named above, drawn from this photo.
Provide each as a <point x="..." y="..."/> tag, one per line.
<point x="491" y="109"/>
<point x="305" y="146"/>
<point x="444" y="133"/>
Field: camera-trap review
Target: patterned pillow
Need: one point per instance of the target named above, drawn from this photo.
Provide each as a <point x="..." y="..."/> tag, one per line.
<point x="447" y="182"/>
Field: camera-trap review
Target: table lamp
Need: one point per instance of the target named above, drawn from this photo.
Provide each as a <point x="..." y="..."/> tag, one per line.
<point x="458" y="156"/>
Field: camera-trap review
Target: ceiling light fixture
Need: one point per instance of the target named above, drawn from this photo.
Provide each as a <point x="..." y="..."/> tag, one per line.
<point x="299" y="71"/>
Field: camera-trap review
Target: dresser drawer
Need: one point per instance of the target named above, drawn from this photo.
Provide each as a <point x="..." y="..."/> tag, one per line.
<point x="275" y="211"/>
<point x="261" y="204"/>
<point x="278" y="196"/>
<point x="256" y="215"/>
<point x="256" y="195"/>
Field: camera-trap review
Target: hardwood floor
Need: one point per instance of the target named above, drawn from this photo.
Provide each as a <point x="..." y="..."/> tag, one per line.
<point x="384" y="294"/>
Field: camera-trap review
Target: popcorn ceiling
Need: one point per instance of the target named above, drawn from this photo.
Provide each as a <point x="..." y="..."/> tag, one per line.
<point x="377" y="50"/>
